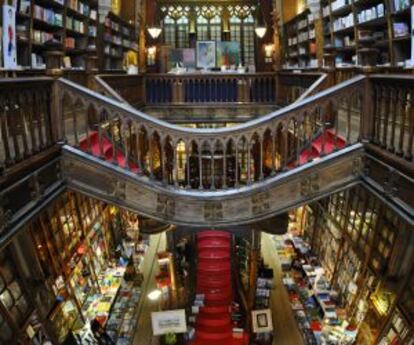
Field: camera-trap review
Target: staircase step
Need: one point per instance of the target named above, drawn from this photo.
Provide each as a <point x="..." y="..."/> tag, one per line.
<point x="219" y="254"/>
<point x="216" y="243"/>
<point x="214" y="310"/>
<point x="213" y="332"/>
<point x="213" y="234"/>
<point x="214" y="320"/>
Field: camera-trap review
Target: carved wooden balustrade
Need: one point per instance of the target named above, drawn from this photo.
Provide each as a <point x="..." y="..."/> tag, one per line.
<point x="292" y="86"/>
<point x="122" y="87"/>
<point x="199" y="88"/>
<point x="25" y="119"/>
<point x="207" y="159"/>
<point x="393" y="109"/>
<point x="210" y="88"/>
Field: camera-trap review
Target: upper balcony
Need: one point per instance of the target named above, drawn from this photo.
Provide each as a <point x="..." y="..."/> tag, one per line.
<point x="298" y="153"/>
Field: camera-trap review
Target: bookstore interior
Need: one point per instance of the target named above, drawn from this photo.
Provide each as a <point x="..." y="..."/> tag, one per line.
<point x="217" y="172"/>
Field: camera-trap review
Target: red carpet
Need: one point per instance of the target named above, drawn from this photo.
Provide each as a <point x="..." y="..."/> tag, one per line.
<point x="214" y="325"/>
<point x="316" y="148"/>
<point x="107" y="150"/>
<point x="314" y="151"/>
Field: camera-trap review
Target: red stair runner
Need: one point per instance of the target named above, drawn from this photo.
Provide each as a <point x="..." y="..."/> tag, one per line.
<point x="107" y="150"/>
<point x="316" y="148"/>
<point x="214" y="324"/>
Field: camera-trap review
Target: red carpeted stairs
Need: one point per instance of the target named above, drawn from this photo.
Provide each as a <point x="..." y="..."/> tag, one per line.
<point x="315" y="149"/>
<point x="214" y="324"/>
<point x="107" y="150"/>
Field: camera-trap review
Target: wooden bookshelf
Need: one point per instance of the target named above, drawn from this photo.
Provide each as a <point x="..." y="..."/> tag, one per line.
<point x="116" y="37"/>
<point x="357" y="33"/>
<point x="68" y="26"/>
<point x="301" y="41"/>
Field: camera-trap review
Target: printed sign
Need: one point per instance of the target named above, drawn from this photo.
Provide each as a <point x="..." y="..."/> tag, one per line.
<point x="171" y="321"/>
<point x="9" y="37"/>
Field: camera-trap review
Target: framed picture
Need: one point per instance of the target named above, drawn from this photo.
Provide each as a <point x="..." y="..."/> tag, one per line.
<point x="262" y="321"/>
<point x="228" y="53"/>
<point x="206" y="54"/>
<point x="183" y="56"/>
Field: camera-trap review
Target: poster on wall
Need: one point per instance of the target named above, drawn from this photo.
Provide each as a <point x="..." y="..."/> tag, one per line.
<point x="228" y="53"/>
<point x="9" y="37"/>
<point x="185" y="57"/>
<point x="262" y="321"/>
<point x="206" y="54"/>
<point x="170" y="321"/>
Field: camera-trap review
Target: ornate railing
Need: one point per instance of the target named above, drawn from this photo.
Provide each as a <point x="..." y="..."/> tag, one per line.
<point x="26" y="124"/>
<point x="212" y="159"/>
<point x="293" y="87"/>
<point x="122" y="87"/>
<point x="393" y="110"/>
<point x="37" y="113"/>
<point x="210" y="88"/>
<point x="200" y="88"/>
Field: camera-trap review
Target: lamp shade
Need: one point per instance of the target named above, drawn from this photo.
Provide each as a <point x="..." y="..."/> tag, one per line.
<point x="154" y="31"/>
<point x="260" y="31"/>
<point x="260" y="27"/>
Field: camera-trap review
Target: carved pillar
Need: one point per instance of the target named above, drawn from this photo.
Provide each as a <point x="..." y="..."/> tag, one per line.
<point x="142" y="37"/>
<point x="367" y="120"/>
<point x="319" y="40"/>
<point x="254" y="259"/>
<point x="54" y="59"/>
<point x="242" y="90"/>
<point x="277" y="46"/>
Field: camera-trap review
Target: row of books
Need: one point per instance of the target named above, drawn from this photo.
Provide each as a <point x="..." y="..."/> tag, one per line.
<point x="48" y="15"/>
<point x="75" y="25"/>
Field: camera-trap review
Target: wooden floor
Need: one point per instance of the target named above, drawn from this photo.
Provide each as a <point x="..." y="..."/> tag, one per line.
<point x="143" y="334"/>
<point x="286" y="331"/>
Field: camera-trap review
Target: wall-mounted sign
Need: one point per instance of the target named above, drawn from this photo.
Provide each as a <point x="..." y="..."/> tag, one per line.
<point x="262" y="321"/>
<point x="171" y="321"/>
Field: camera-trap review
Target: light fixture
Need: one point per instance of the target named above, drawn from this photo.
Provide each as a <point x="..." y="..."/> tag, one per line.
<point x="154" y="27"/>
<point x="260" y="31"/>
<point x="154" y="31"/>
<point x="154" y="295"/>
<point x="261" y="27"/>
<point x="268" y="48"/>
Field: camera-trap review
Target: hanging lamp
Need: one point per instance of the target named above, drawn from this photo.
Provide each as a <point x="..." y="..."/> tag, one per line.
<point x="261" y="27"/>
<point x="155" y="28"/>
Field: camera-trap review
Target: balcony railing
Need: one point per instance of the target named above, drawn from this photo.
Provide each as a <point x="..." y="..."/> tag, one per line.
<point x="208" y="159"/>
<point x="26" y="121"/>
<point x="204" y="88"/>
<point x="37" y="113"/>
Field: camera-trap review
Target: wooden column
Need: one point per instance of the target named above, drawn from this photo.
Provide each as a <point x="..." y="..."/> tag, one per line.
<point x="277" y="42"/>
<point x="254" y="259"/>
<point x="367" y="118"/>
<point x="142" y="37"/>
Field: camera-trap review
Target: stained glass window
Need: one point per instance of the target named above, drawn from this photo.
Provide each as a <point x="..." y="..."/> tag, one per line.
<point x="182" y="33"/>
<point x="202" y="29"/>
<point x="169" y="31"/>
<point x="248" y="40"/>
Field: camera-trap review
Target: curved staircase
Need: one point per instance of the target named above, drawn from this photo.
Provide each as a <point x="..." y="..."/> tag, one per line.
<point x="214" y="324"/>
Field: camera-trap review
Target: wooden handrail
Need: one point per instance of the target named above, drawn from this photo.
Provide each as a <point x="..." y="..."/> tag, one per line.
<point x="26" y="123"/>
<point x="216" y="158"/>
<point x="317" y="86"/>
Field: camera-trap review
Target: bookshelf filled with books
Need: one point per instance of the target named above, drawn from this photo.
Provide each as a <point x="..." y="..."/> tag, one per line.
<point x="116" y="38"/>
<point x="358" y="33"/>
<point x="301" y="42"/>
<point x="65" y="26"/>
